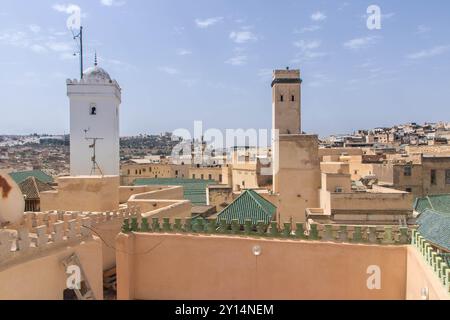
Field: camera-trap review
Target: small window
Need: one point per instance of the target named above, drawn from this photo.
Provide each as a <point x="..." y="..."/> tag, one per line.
<point x="193" y="176"/>
<point x="293" y="98"/>
<point x="409" y="190"/>
<point x="202" y="177"/>
<point x="281" y="98"/>
<point x="339" y="190"/>
<point x="129" y="172"/>
<point x="447" y="177"/>
<point x="93" y="109"/>
<point x="220" y="178"/>
<point x="433" y="177"/>
<point x="408" y="171"/>
<point x="210" y="177"/>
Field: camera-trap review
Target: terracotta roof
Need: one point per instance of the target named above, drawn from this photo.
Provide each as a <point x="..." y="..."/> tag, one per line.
<point x="32" y="187"/>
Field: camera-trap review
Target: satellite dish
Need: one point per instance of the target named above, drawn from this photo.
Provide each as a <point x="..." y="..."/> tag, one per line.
<point x="12" y="203"/>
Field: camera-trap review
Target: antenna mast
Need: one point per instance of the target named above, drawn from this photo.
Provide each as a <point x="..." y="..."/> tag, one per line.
<point x="95" y="165"/>
<point x="80" y="38"/>
<point x="93" y="146"/>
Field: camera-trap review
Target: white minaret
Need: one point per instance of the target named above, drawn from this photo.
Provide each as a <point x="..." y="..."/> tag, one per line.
<point x="94" y="124"/>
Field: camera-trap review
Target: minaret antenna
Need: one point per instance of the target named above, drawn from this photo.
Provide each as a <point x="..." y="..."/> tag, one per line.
<point x="95" y="165"/>
<point x="79" y="36"/>
<point x="93" y="146"/>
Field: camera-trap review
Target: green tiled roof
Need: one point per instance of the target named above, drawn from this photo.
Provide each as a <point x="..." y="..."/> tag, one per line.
<point x="249" y="206"/>
<point x="435" y="227"/>
<point x="438" y="203"/>
<point x="20" y="177"/>
<point x="194" y="190"/>
<point x="434" y="219"/>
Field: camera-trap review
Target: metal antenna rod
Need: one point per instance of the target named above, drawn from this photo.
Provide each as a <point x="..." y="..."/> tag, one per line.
<point x="80" y="37"/>
<point x="81" y="51"/>
<point x="95" y="165"/>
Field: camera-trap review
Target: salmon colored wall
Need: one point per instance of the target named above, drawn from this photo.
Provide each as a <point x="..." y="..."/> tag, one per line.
<point x="161" y="266"/>
<point x="419" y="276"/>
<point x="43" y="277"/>
<point x="98" y="194"/>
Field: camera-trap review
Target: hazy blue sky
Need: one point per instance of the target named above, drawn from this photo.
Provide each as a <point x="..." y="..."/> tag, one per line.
<point x="180" y="61"/>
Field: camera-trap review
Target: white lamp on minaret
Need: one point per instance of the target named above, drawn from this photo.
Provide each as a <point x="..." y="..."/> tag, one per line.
<point x="94" y="123"/>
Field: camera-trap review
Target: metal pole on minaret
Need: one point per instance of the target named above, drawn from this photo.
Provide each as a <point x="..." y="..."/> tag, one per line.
<point x="81" y="51"/>
<point x="79" y="36"/>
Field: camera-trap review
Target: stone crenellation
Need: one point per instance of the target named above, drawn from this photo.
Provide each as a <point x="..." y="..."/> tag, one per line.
<point x="302" y="231"/>
<point x="433" y="259"/>
<point x="49" y="230"/>
<point x="92" y="81"/>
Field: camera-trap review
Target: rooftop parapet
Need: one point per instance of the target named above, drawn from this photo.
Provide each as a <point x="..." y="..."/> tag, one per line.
<point x="302" y="231"/>
<point x="50" y="230"/>
<point x="433" y="259"/>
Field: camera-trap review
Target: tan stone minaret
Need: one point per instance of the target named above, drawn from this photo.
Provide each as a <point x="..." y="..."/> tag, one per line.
<point x="286" y="101"/>
<point x="296" y="169"/>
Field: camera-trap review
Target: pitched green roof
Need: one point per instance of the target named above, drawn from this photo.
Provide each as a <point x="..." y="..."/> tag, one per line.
<point x="194" y="190"/>
<point x="438" y="203"/>
<point x="435" y="227"/>
<point x="21" y="176"/>
<point x="249" y="206"/>
<point x="434" y="219"/>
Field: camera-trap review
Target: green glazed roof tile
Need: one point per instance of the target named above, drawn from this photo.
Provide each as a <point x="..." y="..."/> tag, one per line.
<point x="249" y="206"/>
<point x="194" y="190"/>
<point x="21" y="176"/>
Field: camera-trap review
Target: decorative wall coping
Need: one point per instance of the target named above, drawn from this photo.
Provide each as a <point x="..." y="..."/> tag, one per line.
<point x="432" y="258"/>
<point x="303" y="231"/>
<point x="43" y="231"/>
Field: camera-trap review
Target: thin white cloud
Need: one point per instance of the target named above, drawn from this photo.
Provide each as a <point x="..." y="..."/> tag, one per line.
<point x="15" y="39"/>
<point x="433" y="52"/>
<point x="308" y="29"/>
<point x="184" y="52"/>
<point x="206" y="23"/>
<point x="169" y="70"/>
<point x="308" y="51"/>
<point x="265" y="74"/>
<point x="319" y="80"/>
<point x="343" y="6"/>
<point x="238" y="60"/>
<point x="422" y="29"/>
<point x="112" y="3"/>
<point x="59" y="46"/>
<point x="34" y="28"/>
<point x="38" y="48"/>
<point x="178" y="30"/>
<point x="66" y="8"/>
<point x="308" y="45"/>
<point x="38" y="41"/>
<point x="361" y="43"/>
<point x="189" y="82"/>
<point x="318" y="16"/>
<point x="243" y="36"/>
